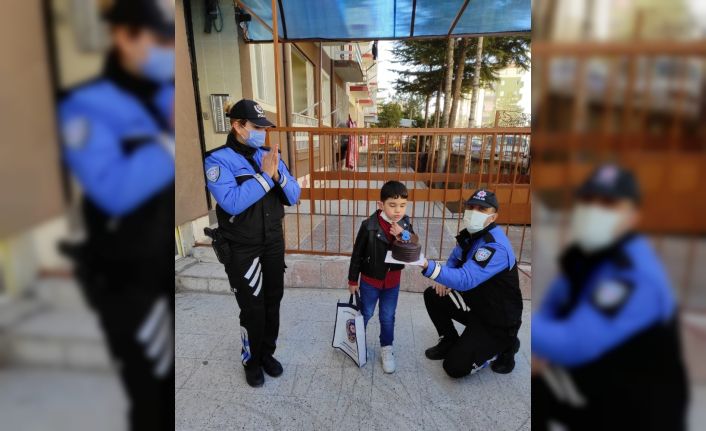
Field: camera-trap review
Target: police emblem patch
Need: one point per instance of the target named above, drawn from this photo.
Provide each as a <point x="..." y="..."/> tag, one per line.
<point x="213" y="173"/>
<point x="75" y="132"/>
<point x="482" y="254"/>
<point x="607" y="175"/>
<point x="610" y="295"/>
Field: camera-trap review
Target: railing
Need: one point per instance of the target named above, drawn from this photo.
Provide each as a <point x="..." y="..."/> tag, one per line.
<point x="300" y="138"/>
<point x="639" y="103"/>
<point x="350" y="51"/>
<point x="440" y="167"/>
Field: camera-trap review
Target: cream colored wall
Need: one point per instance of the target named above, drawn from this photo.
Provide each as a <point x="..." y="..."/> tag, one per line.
<point x="74" y="63"/>
<point x="190" y="233"/>
<point x="218" y="62"/>
<point x="22" y="256"/>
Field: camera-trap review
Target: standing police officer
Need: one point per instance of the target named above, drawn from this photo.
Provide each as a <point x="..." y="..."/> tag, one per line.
<point x="605" y="340"/>
<point x="251" y="185"/>
<point x="482" y="292"/>
<point x="118" y="137"/>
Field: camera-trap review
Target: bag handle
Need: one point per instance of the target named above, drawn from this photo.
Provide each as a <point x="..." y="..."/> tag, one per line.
<point x="357" y="300"/>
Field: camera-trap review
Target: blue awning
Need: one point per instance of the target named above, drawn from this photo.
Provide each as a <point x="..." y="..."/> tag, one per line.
<point x="360" y="20"/>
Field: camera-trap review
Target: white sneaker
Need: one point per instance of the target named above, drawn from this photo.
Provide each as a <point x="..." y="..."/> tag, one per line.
<point x="388" y="359"/>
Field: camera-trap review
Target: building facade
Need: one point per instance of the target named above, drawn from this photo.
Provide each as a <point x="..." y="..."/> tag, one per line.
<point x="321" y="85"/>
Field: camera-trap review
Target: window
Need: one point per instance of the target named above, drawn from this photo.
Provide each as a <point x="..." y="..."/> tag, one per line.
<point x="303" y="96"/>
<point x="326" y="98"/>
<point x="263" y="78"/>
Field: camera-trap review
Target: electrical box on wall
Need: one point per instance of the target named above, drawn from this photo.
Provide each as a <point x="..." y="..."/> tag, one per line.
<point x="220" y="121"/>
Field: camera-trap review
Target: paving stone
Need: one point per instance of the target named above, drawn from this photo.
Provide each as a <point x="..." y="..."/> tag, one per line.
<point x="61" y="400"/>
<point x="321" y="387"/>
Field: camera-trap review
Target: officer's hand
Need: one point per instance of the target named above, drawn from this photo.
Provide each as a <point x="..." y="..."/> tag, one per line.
<point x="270" y="162"/>
<point x="441" y="290"/>
<point x="275" y="155"/>
<point x="353" y="288"/>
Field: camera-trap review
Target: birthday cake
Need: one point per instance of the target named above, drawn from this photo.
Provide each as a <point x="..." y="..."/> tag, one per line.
<point x="405" y="250"/>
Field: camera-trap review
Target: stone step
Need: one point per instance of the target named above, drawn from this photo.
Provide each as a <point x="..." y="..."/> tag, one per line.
<point x="58" y="338"/>
<point x="204" y="253"/>
<point x="60" y="293"/>
<point x="184" y="262"/>
<point x="12" y="311"/>
<point x="309" y="271"/>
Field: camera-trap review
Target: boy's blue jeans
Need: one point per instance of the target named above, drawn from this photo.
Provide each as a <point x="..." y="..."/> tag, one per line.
<point x="369" y="296"/>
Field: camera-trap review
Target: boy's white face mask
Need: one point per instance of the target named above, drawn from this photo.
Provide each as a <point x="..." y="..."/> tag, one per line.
<point x="474" y="220"/>
<point x="594" y="227"/>
<point x="385" y="217"/>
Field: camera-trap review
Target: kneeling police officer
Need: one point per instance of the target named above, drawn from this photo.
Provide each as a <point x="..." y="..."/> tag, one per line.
<point x="251" y="185"/>
<point x="605" y="341"/>
<point x="482" y="292"/>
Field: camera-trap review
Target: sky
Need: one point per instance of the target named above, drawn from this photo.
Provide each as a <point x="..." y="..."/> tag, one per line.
<point x="387" y="76"/>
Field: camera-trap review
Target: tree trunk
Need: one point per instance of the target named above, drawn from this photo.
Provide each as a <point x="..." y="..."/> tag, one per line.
<point x="458" y="82"/>
<point x="476" y="84"/>
<point x="437" y="117"/>
<point x="443" y="150"/>
<point x="426" y="110"/>
<point x="448" y="81"/>
<point x="437" y="113"/>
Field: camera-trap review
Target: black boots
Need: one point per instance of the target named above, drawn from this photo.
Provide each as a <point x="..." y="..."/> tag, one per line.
<point x="254" y="376"/>
<point x="271" y="366"/>
<point x="441" y="349"/>
<point x="506" y="360"/>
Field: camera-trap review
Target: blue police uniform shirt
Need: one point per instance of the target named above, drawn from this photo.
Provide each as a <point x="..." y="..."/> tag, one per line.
<point x="98" y="122"/>
<point x="484" y="260"/>
<point x="616" y="303"/>
<point x="224" y="166"/>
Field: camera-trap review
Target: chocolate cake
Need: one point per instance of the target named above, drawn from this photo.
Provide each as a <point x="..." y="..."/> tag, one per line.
<point x="406" y="251"/>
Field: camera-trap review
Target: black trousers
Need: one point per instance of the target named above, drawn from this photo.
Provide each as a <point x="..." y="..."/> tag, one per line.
<point x="135" y="306"/>
<point x="652" y="407"/>
<point x="477" y="344"/>
<point x="256" y="276"/>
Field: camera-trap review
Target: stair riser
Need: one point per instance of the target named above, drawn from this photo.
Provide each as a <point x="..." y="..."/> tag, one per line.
<point x="58" y="353"/>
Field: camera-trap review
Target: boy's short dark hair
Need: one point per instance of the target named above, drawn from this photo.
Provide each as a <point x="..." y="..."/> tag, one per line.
<point x="393" y="190"/>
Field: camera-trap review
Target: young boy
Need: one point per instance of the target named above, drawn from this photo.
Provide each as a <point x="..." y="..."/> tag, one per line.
<point x="380" y="280"/>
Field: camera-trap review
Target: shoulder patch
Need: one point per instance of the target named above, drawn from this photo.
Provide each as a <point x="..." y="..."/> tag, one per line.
<point x="213" y="173"/>
<point x="483" y="254"/>
<point x="74" y="132"/>
<point x="611" y="295"/>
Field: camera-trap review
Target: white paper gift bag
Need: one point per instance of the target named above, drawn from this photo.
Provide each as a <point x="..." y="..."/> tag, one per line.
<point x="349" y="331"/>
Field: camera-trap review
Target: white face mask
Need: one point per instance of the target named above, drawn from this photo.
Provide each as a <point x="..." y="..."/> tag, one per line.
<point x="594" y="227"/>
<point x="474" y="220"/>
<point x="385" y="217"/>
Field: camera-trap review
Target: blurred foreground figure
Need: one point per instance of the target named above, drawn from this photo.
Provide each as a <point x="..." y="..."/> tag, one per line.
<point x="605" y="341"/>
<point x="118" y="137"/>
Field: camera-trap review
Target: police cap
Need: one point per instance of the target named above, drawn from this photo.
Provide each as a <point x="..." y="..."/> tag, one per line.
<point x="484" y="198"/>
<point x="610" y="181"/>
<point x="250" y="110"/>
<point x="156" y="15"/>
